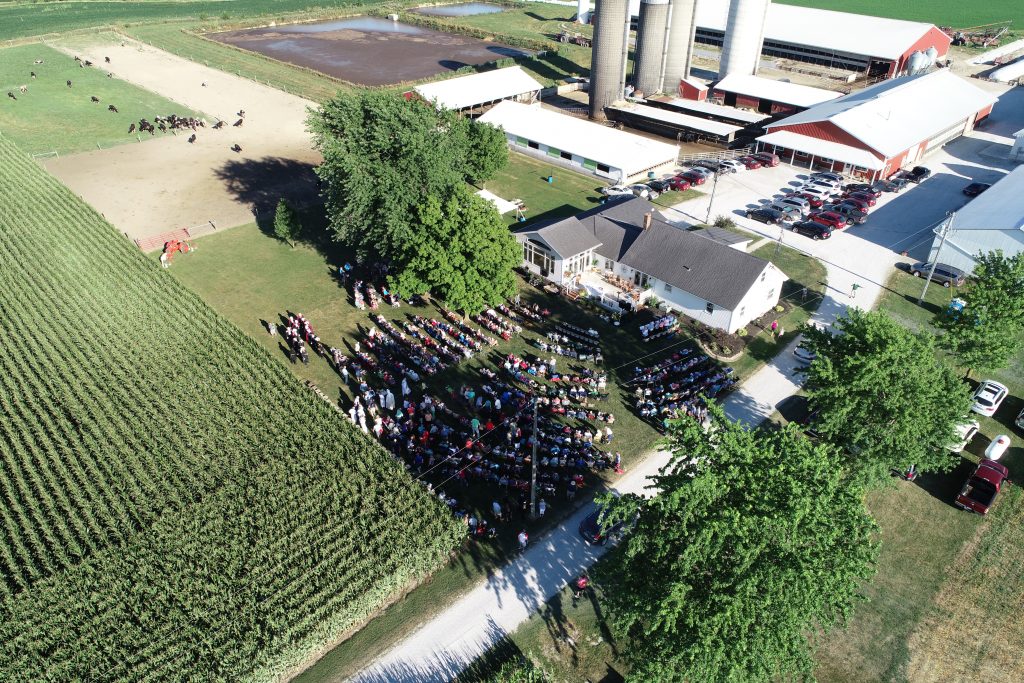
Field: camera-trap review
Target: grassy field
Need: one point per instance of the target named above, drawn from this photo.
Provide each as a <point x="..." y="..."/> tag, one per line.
<point x="175" y="504"/>
<point x="53" y="117"/>
<point x="939" y="12"/>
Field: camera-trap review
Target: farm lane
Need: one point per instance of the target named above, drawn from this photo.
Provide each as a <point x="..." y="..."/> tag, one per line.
<point x="169" y="183"/>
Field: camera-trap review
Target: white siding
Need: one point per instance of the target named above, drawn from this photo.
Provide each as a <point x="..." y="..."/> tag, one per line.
<point x="576" y="163"/>
<point x="694" y="307"/>
<point x="762" y="297"/>
<point x="961" y="246"/>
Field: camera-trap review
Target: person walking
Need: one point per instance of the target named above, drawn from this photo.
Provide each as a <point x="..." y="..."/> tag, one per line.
<point x="474" y="424"/>
<point x="853" y="290"/>
<point x="524" y="539"/>
<point x="581" y="585"/>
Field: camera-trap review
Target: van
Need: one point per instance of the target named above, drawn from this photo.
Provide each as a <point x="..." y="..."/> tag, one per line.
<point x="767" y="158"/>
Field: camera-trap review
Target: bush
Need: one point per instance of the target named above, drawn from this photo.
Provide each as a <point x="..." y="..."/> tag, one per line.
<point x="779" y="309"/>
<point x="724" y="222"/>
<point x="286" y="223"/>
<point x="742" y="332"/>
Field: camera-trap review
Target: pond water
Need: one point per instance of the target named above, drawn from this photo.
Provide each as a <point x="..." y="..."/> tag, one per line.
<point x="369" y="50"/>
<point x="465" y="9"/>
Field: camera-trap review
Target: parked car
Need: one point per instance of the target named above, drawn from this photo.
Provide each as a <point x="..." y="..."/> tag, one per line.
<point x="709" y="164"/>
<point x="875" y="189"/>
<point x="659" y="186"/>
<point x="820" y="192"/>
<point x="591" y="531"/>
<point x="798" y="202"/>
<point x="855" y="215"/>
<point x="830" y="218"/>
<point x="895" y="184"/>
<point x="643" y="191"/>
<point x="865" y="197"/>
<point x="812" y="229"/>
<point x="814" y="200"/>
<point x="831" y="187"/>
<point x="828" y="175"/>
<point x="693" y="177"/>
<point x="857" y="202"/>
<point x="764" y="214"/>
<point x="974" y="189"/>
<point x="732" y="166"/>
<point x="989" y="395"/>
<point x="964" y="433"/>
<point x="982" y="487"/>
<point x="943" y="274"/>
<point x="804" y="355"/>
<point x="679" y="183"/>
<point x="918" y="173"/>
<point x="767" y="158"/>
<point x="750" y="162"/>
<point x="616" y="191"/>
<point x="789" y="212"/>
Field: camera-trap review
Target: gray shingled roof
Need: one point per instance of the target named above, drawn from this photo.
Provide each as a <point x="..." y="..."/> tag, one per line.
<point x="699" y="265"/>
<point x="565" y="236"/>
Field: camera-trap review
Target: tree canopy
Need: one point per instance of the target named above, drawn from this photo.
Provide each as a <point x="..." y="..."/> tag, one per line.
<point x="987" y="332"/>
<point x="385" y="155"/>
<point x="286" y="222"/>
<point x="754" y="541"/>
<point x="883" y="394"/>
<point x="474" y="269"/>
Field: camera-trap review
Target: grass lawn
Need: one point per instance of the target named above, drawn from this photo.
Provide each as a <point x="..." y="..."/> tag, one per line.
<point x="250" y="277"/>
<point x="939" y="12"/>
<point x="805" y="272"/>
<point x="53" y="117"/>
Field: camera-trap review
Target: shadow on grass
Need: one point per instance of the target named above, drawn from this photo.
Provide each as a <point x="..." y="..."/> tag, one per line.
<point x="926" y="305"/>
<point x="944" y="486"/>
<point x="262" y="183"/>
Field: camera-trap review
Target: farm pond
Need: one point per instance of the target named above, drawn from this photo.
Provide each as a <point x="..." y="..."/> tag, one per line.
<point x="368" y="50"/>
<point x="464" y="9"/>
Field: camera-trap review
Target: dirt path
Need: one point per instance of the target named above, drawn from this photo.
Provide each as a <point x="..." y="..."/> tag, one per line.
<point x="147" y="189"/>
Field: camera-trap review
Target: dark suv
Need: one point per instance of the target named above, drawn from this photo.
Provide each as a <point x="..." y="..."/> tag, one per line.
<point x="917" y="174"/>
<point x="813" y="229"/>
<point x="944" y="275"/>
<point x="765" y="215"/>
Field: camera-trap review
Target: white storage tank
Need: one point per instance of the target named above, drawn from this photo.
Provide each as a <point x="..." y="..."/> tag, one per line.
<point x="650" y="46"/>
<point x="744" y="35"/>
<point x="607" y="63"/>
<point x="682" y="25"/>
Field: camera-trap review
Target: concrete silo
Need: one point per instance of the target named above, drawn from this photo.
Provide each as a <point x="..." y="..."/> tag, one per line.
<point x="682" y="25"/>
<point x="582" y="11"/>
<point x="608" y="57"/>
<point x="650" y="46"/>
<point x="744" y="34"/>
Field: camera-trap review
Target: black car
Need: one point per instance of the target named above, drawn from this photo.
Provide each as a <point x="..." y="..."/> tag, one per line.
<point x="856" y="214"/>
<point x="590" y="528"/>
<point x="944" y="275"/>
<point x="974" y="189"/>
<point x="894" y="184"/>
<point x="659" y="186"/>
<point x="713" y="166"/>
<point x="812" y="229"/>
<point x="917" y="174"/>
<point x="765" y="215"/>
<point x="875" y="189"/>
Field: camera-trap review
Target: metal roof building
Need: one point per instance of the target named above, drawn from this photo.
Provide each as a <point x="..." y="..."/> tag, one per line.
<point x="992" y="220"/>
<point x="879" y="130"/>
<point x="855" y="42"/>
<point x="671" y="123"/>
<point x="580" y="144"/>
<point x="768" y="96"/>
<point x="476" y="90"/>
<point x="709" y="110"/>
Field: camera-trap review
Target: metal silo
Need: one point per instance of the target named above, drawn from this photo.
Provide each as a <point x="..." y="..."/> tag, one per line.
<point x="682" y="25"/>
<point x="650" y="46"/>
<point x="744" y="34"/>
<point x="611" y="29"/>
<point x="583" y="11"/>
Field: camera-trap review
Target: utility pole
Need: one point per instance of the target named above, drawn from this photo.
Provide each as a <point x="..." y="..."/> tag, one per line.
<point x="942" y="234"/>
<point x="711" y="200"/>
<point x="533" y="465"/>
<point x="778" y="245"/>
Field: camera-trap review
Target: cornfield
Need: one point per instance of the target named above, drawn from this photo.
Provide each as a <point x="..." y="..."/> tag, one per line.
<point x="173" y="504"/>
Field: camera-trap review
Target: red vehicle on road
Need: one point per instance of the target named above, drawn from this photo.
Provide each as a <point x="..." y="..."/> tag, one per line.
<point x="750" y="162"/>
<point x="830" y="218"/>
<point x="982" y="486"/>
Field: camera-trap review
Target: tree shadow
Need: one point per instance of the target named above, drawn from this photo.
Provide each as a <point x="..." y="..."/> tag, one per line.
<point x="606" y="632"/>
<point x="945" y="486"/>
<point x="261" y="183"/>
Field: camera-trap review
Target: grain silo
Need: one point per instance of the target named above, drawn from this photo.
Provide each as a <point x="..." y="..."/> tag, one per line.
<point x="682" y="25"/>
<point x="607" y="60"/>
<point x="582" y="11"/>
<point x="650" y="46"/>
<point x="744" y="35"/>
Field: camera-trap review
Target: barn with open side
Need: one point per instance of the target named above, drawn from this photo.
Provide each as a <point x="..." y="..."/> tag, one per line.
<point x="478" y="91"/>
<point x="877" y="131"/>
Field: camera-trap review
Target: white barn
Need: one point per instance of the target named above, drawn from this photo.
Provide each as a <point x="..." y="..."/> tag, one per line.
<point x="704" y="275"/>
<point x="580" y="144"/>
<point x="467" y="93"/>
<point x="993" y="220"/>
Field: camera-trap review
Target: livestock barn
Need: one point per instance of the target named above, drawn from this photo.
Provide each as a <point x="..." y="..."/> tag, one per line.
<point x="881" y="129"/>
<point x="860" y="43"/>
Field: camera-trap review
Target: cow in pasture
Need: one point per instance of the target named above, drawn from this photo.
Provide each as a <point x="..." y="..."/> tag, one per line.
<point x="241" y="113"/>
<point x="238" y="123"/>
<point x="111" y="108"/>
<point x="32" y="74"/>
<point x="107" y="60"/>
<point x="38" y="61"/>
<point x="192" y="138"/>
<point x="236" y="148"/>
<point x="11" y="95"/>
<point x="23" y="89"/>
<point x="69" y="83"/>
<point x="218" y="125"/>
<point x="94" y="98"/>
<point x="131" y="129"/>
<point x="87" y="63"/>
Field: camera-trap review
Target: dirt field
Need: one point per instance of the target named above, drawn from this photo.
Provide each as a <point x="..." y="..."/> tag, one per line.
<point x="369" y="50"/>
<point x="146" y="189"/>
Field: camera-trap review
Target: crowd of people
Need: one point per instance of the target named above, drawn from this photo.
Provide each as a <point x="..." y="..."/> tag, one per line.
<point x="679" y="384"/>
<point x="663" y="326"/>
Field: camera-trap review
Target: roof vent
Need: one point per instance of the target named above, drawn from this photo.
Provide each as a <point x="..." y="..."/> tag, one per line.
<point x="647" y="219"/>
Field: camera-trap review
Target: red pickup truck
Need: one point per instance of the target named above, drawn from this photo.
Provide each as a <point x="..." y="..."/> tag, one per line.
<point x="981" y="488"/>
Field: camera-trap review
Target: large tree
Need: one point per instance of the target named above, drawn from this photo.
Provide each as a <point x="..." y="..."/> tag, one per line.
<point x="987" y="332"/>
<point x="461" y="251"/>
<point x="754" y="542"/>
<point x="882" y="394"/>
<point x="384" y="156"/>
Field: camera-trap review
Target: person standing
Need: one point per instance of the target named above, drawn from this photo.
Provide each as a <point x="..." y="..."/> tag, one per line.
<point x="524" y="539"/>
<point x="475" y="426"/>
<point x="542" y="507"/>
<point x="581" y="585"/>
